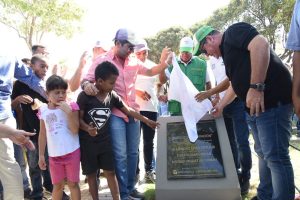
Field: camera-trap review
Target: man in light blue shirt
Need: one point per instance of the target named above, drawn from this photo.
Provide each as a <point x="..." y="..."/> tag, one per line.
<point x="293" y="43"/>
<point x="10" y="173"/>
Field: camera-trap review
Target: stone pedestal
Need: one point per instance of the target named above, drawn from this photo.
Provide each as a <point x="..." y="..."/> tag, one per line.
<point x="203" y="170"/>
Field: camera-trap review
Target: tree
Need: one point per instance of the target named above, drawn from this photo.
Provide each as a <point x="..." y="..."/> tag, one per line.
<point x="169" y="37"/>
<point x="32" y="19"/>
<point x="270" y="17"/>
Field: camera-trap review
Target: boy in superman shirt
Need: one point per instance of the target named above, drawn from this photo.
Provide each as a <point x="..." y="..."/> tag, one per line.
<point x="95" y="144"/>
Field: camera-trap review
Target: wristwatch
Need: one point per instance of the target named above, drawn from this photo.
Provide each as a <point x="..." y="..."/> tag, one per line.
<point x="258" y="86"/>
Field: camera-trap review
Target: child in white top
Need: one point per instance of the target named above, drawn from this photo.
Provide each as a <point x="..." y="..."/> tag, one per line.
<point x="59" y="124"/>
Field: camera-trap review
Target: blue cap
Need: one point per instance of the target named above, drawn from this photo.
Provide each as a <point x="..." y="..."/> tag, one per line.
<point x="124" y="34"/>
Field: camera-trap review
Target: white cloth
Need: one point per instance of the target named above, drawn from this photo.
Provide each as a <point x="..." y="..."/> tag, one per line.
<point x="182" y="90"/>
<point x="168" y="73"/>
<point x="147" y="83"/>
<point x="218" y="69"/>
<point x="60" y="140"/>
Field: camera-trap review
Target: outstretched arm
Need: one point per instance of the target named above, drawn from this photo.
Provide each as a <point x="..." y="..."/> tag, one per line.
<point x="208" y="93"/>
<point x="165" y="58"/>
<point x="130" y="112"/>
<point x="74" y="82"/>
<point x="19" y="137"/>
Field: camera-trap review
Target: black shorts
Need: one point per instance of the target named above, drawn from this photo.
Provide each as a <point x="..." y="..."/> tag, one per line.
<point x="95" y="155"/>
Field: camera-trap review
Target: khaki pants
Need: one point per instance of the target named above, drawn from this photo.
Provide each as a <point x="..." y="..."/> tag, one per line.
<point x="10" y="172"/>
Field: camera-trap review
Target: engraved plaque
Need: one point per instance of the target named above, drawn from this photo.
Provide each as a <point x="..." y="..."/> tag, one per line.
<point x="186" y="160"/>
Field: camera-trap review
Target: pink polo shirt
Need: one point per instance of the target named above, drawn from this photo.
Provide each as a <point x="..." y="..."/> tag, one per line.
<point x="125" y="84"/>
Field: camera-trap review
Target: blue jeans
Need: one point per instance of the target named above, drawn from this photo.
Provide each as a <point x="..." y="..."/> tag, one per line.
<point x="271" y="132"/>
<point x="36" y="173"/>
<point x="19" y="156"/>
<point x="238" y="133"/>
<point x="125" y="138"/>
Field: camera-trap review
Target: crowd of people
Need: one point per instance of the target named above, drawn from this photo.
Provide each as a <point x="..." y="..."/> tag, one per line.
<point x="116" y="97"/>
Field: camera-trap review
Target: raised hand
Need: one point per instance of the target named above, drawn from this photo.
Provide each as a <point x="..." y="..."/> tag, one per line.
<point x="64" y="107"/>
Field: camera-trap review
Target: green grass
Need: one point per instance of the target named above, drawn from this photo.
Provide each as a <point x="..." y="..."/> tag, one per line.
<point x="149" y="192"/>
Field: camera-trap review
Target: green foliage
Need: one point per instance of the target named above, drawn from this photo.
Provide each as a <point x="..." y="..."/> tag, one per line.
<point x="268" y="16"/>
<point x="169" y="37"/>
<point x="31" y="19"/>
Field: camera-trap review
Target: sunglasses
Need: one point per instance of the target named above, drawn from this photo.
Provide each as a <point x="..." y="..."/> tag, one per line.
<point x="130" y="47"/>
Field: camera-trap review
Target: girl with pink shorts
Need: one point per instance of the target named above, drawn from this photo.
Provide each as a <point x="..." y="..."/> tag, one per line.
<point x="59" y="124"/>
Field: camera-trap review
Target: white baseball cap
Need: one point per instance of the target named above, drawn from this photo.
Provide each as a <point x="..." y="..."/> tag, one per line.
<point x="186" y="45"/>
<point x="141" y="46"/>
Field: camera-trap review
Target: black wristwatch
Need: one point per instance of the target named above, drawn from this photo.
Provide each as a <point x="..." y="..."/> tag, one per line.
<point x="258" y="86"/>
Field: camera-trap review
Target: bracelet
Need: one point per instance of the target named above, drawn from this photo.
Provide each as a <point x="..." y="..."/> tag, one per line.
<point x="83" y="84"/>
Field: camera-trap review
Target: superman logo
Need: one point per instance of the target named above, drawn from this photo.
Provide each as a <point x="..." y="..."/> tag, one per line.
<point x="99" y="116"/>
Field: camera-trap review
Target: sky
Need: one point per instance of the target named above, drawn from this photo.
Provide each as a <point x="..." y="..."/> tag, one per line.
<point x="103" y="18"/>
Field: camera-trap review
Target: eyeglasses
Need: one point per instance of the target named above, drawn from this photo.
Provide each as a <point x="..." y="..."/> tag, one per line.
<point x="202" y="43"/>
<point x="129" y="45"/>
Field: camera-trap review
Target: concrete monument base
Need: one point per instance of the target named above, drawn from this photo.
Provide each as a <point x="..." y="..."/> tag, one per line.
<point x="187" y="172"/>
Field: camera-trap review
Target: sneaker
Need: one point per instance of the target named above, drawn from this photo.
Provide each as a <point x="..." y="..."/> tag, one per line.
<point x="245" y="185"/>
<point x="150" y="177"/>
<point x="136" y="195"/>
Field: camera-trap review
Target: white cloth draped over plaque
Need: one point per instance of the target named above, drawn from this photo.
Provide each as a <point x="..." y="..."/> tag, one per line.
<point x="182" y="90"/>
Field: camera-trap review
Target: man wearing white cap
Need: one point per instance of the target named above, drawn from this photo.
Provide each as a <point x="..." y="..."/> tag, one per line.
<point x="193" y="67"/>
<point x="148" y="102"/>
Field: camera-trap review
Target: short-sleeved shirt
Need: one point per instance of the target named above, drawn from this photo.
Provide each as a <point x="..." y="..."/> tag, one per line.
<point x="98" y="112"/>
<point x="12" y="67"/>
<point x="31" y="122"/>
<point x="218" y="69"/>
<point x="147" y="83"/>
<point x="236" y="57"/>
<point x="125" y="84"/>
<point x="293" y="41"/>
<point x="60" y="139"/>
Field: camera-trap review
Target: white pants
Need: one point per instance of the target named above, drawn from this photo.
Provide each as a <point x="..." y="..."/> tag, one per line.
<point x="10" y="172"/>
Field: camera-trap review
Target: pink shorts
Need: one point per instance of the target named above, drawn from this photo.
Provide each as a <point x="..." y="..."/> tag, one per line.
<point x="66" y="166"/>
